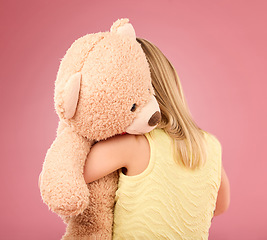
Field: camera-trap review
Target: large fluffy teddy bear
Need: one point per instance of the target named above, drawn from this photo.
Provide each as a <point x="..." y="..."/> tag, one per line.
<point x="103" y="88"/>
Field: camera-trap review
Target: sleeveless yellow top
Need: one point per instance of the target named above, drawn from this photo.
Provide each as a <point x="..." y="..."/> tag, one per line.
<point x="168" y="200"/>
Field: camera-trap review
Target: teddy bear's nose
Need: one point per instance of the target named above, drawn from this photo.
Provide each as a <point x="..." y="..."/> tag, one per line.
<point x="155" y="119"/>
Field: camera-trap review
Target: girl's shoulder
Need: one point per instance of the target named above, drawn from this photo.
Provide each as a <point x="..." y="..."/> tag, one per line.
<point x="212" y="139"/>
<point x="133" y="151"/>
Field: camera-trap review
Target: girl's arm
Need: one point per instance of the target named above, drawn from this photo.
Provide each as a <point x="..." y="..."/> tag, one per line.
<point x="223" y="199"/>
<point x="108" y="156"/>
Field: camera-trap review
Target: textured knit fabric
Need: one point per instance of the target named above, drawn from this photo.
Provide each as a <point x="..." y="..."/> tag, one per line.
<point x="167" y="200"/>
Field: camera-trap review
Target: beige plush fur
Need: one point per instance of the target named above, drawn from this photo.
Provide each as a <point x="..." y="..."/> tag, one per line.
<point x="100" y="78"/>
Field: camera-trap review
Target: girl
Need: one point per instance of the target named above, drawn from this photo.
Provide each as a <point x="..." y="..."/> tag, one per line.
<point x="171" y="180"/>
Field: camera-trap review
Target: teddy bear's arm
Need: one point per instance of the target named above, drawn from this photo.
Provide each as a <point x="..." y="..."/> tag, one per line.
<point x="62" y="184"/>
<point x="61" y="126"/>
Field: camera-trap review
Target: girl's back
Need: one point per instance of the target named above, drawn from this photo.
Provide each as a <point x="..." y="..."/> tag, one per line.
<point x="168" y="200"/>
<point x="158" y="197"/>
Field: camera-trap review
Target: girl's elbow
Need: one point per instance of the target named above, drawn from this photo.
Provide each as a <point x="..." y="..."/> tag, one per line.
<point x="222" y="208"/>
<point x="223" y="198"/>
<point x="223" y="202"/>
<point x="87" y="176"/>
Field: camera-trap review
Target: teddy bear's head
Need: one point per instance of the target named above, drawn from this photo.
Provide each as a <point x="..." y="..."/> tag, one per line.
<point x="103" y="86"/>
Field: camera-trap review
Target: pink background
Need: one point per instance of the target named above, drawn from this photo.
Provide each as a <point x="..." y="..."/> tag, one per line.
<point x="219" y="50"/>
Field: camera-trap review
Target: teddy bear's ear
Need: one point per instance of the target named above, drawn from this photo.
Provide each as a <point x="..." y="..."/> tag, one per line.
<point x="124" y="28"/>
<point x="71" y="95"/>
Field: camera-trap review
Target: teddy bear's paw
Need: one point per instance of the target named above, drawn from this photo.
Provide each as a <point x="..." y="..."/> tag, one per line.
<point x="69" y="209"/>
<point x="66" y="203"/>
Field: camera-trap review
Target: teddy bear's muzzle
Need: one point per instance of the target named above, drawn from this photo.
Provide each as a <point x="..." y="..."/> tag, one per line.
<point x="155" y="119"/>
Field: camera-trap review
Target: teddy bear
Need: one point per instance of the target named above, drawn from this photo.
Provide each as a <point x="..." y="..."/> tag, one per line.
<point x="103" y="88"/>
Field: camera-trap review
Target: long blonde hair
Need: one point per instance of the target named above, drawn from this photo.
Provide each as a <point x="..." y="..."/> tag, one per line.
<point x="189" y="140"/>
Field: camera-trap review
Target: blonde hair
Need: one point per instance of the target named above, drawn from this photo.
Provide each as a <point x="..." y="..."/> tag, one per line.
<point x="189" y="139"/>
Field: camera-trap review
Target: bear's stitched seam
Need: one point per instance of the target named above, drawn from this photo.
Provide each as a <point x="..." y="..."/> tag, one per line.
<point x="92" y="48"/>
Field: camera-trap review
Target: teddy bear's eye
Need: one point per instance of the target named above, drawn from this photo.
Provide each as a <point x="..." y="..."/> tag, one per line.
<point x="133" y="107"/>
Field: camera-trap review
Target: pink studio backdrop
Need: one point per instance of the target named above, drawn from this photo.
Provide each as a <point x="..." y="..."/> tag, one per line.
<point x="219" y="51"/>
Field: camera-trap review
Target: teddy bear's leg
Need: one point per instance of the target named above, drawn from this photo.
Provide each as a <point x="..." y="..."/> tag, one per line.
<point x="97" y="220"/>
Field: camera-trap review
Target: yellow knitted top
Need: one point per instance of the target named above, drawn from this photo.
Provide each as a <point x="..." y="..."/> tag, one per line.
<point x="167" y="200"/>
